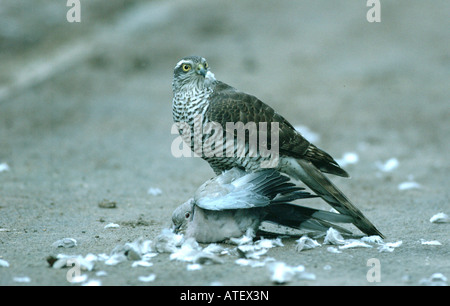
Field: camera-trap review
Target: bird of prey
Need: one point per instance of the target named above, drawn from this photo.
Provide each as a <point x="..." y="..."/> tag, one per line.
<point x="199" y="100"/>
<point x="229" y="204"/>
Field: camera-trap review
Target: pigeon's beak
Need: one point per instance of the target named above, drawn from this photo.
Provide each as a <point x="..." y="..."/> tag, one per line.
<point x="201" y="70"/>
<point x="175" y="228"/>
<point x="178" y="229"/>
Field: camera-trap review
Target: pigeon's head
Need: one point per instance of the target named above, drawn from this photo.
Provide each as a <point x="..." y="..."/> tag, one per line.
<point x="192" y="73"/>
<point x="182" y="215"/>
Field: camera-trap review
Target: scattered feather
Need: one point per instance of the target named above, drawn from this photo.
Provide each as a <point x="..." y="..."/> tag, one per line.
<point x="115" y="259"/>
<point x="210" y="77"/>
<point x="406" y="278"/>
<point x="86" y="263"/>
<point x="436" y="279"/>
<point x="245" y="239"/>
<point x="306" y="243"/>
<point x="139" y="251"/>
<point x="253" y="263"/>
<point x="216" y="249"/>
<point x="327" y="267"/>
<point x="147" y="279"/>
<point x="188" y="251"/>
<point x="408" y="185"/>
<point x="431" y="242"/>
<point x="4" y="167"/>
<point x="333" y="237"/>
<point x="251" y="251"/>
<point x="112" y="225"/>
<point x="167" y="241"/>
<point x="353" y="243"/>
<point x="148" y="256"/>
<point x="243" y="261"/>
<point x="257" y="249"/>
<point x="216" y="283"/>
<point x="193" y="267"/>
<point x="372" y="239"/>
<point x="141" y="263"/>
<point x="22" y="279"/>
<point x="348" y="159"/>
<point x="388" y="165"/>
<point x="101" y="273"/>
<point x="333" y="250"/>
<point x="4" y="263"/>
<point x="440" y="218"/>
<point x="92" y="283"/>
<point x="282" y="273"/>
<point x="77" y="279"/>
<point x="191" y="251"/>
<point x="154" y="191"/>
<point x="389" y="246"/>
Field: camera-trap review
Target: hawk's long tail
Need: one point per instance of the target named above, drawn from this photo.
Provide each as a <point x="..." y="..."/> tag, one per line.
<point x="306" y="172"/>
<point x="300" y="217"/>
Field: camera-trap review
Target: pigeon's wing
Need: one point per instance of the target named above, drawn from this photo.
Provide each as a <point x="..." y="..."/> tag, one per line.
<point x="233" y="200"/>
<point x="246" y="190"/>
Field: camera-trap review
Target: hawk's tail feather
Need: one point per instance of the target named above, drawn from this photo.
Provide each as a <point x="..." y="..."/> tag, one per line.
<point x="324" y="188"/>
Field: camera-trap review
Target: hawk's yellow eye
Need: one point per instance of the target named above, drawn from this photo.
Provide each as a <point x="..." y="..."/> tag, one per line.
<point x="186" y="67"/>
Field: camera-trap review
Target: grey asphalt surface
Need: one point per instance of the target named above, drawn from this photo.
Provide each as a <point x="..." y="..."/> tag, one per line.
<point x="85" y="116"/>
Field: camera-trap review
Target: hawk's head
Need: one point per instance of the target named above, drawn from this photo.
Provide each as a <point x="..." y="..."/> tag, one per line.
<point x="192" y="72"/>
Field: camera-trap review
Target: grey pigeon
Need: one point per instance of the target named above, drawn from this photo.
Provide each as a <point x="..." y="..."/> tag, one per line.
<point x="199" y="100"/>
<point x="228" y="205"/>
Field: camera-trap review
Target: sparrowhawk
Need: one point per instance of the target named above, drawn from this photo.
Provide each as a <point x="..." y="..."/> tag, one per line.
<point x="205" y="106"/>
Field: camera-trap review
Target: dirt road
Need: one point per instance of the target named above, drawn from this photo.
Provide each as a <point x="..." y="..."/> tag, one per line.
<point x="85" y="116"/>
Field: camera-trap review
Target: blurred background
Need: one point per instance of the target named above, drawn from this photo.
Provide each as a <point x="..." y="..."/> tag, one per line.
<point x="97" y="93"/>
<point x="85" y="108"/>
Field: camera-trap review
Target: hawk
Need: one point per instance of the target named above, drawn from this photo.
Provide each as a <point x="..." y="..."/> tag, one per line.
<point x="202" y="103"/>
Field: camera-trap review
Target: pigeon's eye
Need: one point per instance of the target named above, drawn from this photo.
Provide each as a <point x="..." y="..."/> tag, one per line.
<point x="186" y="67"/>
<point x="187" y="215"/>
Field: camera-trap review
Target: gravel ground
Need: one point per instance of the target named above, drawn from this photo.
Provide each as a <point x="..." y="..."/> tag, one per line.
<point x="85" y="118"/>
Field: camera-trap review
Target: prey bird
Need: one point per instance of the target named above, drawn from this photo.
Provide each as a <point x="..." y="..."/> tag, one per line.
<point x="229" y="204"/>
<point x="199" y="100"/>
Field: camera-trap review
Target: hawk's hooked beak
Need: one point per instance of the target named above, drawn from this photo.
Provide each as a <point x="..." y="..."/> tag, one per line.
<point x="201" y="70"/>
